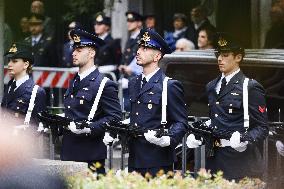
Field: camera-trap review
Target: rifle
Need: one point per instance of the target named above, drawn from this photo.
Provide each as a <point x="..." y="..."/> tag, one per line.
<point x="276" y="130"/>
<point x="128" y="131"/>
<point x="209" y="134"/>
<point x="53" y="122"/>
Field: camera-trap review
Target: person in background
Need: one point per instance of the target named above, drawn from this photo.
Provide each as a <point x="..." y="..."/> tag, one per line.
<point x="37" y="7"/>
<point x="180" y="30"/>
<point x="199" y="19"/>
<point x="150" y="153"/>
<point x="18" y="92"/>
<point x="109" y="55"/>
<point x="205" y="38"/>
<point x="67" y="60"/>
<point x="128" y="67"/>
<point x="25" y="28"/>
<point x="240" y="155"/>
<point x="42" y="44"/>
<point x="184" y="44"/>
<point x="86" y="144"/>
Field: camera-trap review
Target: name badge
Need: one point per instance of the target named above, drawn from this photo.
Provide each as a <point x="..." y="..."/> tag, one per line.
<point x="81" y="101"/>
<point x="150" y="106"/>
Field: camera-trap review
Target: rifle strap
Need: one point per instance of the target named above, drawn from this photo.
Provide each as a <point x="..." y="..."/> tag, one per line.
<point x="164" y="101"/>
<point x="97" y="99"/>
<point x="245" y="103"/>
<point x="31" y="105"/>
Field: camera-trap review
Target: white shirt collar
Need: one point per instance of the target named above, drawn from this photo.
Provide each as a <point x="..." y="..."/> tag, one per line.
<point x="21" y="81"/>
<point x="103" y="36"/>
<point x="134" y="34"/>
<point x="87" y="72"/>
<point x="197" y="26"/>
<point x="229" y="77"/>
<point x="37" y="38"/>
<point x="177" y="32"/>
<point x="148" y="77"/>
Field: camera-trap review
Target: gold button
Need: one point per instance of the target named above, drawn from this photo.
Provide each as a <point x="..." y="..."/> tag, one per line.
<point x="216" y="115"/>
<point x="150" y="100"/>
<point x="208" y="104"/>
<point x="83" y="96"/>
<point x="231" y="104"/>
<point x="68" y="107"/>
<point x="71" y="96"/>
<point x="137" y="113"/>
<point x="217" y="102"/>
<point x="135" y="124"/>
<point x="18" y="107"/>
<point x="138" y="102"/>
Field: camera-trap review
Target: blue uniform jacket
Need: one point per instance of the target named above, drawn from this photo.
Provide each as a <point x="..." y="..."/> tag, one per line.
<point x="227" y="114"/>
<point x="110" y="53"/>
<point x="17" y="103"/>
<point x="130" y="50"/>
<point x="146" y="108"/>
<point x="77" y="105"/>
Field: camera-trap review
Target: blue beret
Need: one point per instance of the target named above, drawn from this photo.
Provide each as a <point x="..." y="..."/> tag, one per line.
<point x="150" y="38"/>
<point x="20" y="50"/>
<point x="223" y="42"/>
<point x="82" y="38"/>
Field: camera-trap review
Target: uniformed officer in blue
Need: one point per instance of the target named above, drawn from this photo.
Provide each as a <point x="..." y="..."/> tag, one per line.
<point x="149" y="153"/>
<point x="241" y="155"/>
<point x="17" y="94"/>
<point x="110" y="54"/>
<point x="86" y="145"/>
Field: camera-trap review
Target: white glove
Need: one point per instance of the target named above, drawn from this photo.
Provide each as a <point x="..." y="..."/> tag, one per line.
<point x="163" y="141"/>
<point x="235" y="142"/>
<point x="73" y="129"/>
<point x="191" y="142"/>
<point x="126" y="121"/>
<point x="124" y="83"/>
<point x="107" y="139"/>
<point x="280" y="147"/>
<point x="40" y="128"/>
<point x="208" y="122"/>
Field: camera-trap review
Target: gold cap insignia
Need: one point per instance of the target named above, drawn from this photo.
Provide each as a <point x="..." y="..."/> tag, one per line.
<point x="76" y="38"/>
<point x="222" y="42"/>
<point x="34" y="19"/>
<point x="13" y="49"/>
<point x="130" y="16"/>
<point x="99" y="18"/>
<point x="146" y="37"/>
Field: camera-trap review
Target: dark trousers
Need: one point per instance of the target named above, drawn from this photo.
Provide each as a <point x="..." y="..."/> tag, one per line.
<point x="151" y="170"/>
<point x="97" y="166"/>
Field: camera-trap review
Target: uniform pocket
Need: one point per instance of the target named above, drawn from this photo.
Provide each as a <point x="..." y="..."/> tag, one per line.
<point x="84" y="96"/>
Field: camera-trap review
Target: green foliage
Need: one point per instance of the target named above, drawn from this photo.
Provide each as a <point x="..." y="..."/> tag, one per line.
<point x="123" y="180"/>
<point x="79" y="7"/>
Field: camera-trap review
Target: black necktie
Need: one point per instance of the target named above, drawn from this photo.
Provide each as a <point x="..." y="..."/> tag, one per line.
<point x="223" y="85"/>
<point x="76" y="82"/>
<point x="144" y="81"/>
<point x="12" y="87"/>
